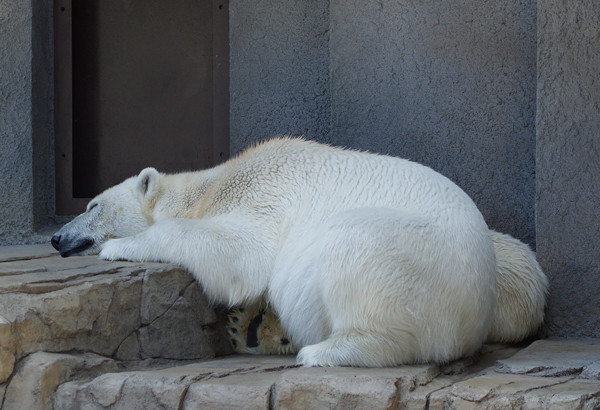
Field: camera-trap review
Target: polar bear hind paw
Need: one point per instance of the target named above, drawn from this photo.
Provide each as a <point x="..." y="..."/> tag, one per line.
<point x="255" y="329"/>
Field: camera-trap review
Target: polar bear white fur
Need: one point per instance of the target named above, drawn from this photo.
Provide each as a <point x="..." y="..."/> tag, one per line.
<point x="368" y="260"/>
<point x="522" y="290"/>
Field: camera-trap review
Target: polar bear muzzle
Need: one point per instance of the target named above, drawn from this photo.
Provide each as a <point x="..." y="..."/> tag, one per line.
<point x="70" y="246"/>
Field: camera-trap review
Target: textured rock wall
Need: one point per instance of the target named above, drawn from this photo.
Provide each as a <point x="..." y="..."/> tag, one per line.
<point x="447" y="84"/>
<point x="568" y="163"/>
<point x="115" y="314"/>
<point x="278" y="70"/>
<point x="26" y="137"/>
<point x="16" y="191"/>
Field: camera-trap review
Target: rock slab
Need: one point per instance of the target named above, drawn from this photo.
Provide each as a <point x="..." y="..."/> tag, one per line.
<point x="121" y="311"/>
<point x="80" y="333"/>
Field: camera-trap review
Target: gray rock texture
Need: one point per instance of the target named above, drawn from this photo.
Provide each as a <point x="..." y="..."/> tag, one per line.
<point x="114" y="311"/>
<point x="447" y="84"/>
<point x="26" y="120"/>
<point x="278" y="70"/>
<point x="580" y="358"/>
<point x="33" y="384"/>
<point x="198" y="385"/>
<point x="568" y="164"/>
<point x="274" y="382"/>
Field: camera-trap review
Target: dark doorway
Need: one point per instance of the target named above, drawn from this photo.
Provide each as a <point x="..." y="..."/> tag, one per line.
<point x="138" y="83"/>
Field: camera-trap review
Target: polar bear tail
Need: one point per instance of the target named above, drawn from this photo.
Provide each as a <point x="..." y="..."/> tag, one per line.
<point x="522" y="291"/>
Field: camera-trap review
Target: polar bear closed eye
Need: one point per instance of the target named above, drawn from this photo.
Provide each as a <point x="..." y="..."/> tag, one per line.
<point x="367" y="260"/>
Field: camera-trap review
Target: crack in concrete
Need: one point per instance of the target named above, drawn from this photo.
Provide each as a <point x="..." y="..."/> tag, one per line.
<point x="111" y="271"/>
<point x="283" y="367"/>
<point x="152" y="323"/>
<point x="190" y="381"/>
<point x="183" y="396"/>
<point x="494" y="391"/>
<point x="167" y="309"/>
<point x="9" y="380"/>
<point x="24" y="287"/>
<point x="117" y="396"/>
<point x="556" y="372"/>
<point x="114" y="353"/>
<point x="247" y="370"/>
<point x="182" y="292"/>
<point x="428" y="395"/>
<point x="558" y="383"/>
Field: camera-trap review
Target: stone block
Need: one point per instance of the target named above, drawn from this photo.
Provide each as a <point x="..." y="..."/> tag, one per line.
<point x="344" y="388"/>
<point x="32" y="386"/>
<point x="556" y="357"/>
<point x="233" y="392"/>
<point x="26" y="252"/>
<point x="500" y="390"/>
<point x="84" y="304"/>
<point x="169" y="387"/>
<point x="160" y="290"/>
<point x="177" y="334"/>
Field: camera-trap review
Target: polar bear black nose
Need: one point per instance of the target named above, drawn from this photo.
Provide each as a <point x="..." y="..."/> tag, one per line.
<point x="55" y="241"/>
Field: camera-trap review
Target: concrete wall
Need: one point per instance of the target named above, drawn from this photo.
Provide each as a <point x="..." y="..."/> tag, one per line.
<point x="16" y="191"/>
<point x="278" y="70"/>
<point x="42" y="97"/>
<point x="450" y="85"/>
<point x="568" y="163"/>
<point x="26" y="155"/>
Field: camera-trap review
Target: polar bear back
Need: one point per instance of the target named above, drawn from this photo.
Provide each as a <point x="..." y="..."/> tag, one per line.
<point x="309" y="180"/>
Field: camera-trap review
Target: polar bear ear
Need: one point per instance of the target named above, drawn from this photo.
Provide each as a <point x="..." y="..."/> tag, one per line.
<point x="148" y="182"/>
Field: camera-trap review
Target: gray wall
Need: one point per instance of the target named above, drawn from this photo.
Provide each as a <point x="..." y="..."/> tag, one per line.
<point x="447" y="84"/>
<point x="278" y="70"/>
<point x="26" y="153"/>
<point x="450" y="85"/>
<point x="568" y="163"/>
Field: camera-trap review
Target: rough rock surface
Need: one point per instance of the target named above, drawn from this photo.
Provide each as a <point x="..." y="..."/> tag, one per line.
<point x="123" y="312"/>
<point x="81" y="333"/>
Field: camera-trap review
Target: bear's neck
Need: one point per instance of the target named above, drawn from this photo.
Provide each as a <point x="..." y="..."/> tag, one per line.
<point x="184" y="195"/>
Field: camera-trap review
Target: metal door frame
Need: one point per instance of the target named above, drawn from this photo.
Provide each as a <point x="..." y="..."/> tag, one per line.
<point x="66" y="203"/>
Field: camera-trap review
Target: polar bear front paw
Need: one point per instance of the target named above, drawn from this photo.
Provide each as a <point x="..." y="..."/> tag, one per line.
<point x="120" y="249"/>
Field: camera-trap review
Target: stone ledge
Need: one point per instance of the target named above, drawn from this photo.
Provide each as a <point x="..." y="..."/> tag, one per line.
<point x="265" y="382"/>
<point x="83" y="333"/>
<point x="124" y="312"/>
<point x="25" y="252"/>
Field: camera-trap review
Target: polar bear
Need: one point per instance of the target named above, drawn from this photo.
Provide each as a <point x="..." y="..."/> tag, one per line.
<point x="368" y="260"/>
<point x="255" y="329"/>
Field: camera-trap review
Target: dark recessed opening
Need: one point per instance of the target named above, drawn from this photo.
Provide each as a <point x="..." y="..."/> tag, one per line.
<point x="137" y="86"/>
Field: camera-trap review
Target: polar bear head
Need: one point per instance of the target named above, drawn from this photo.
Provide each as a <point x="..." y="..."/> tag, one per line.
<point x="115" y="213"/>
